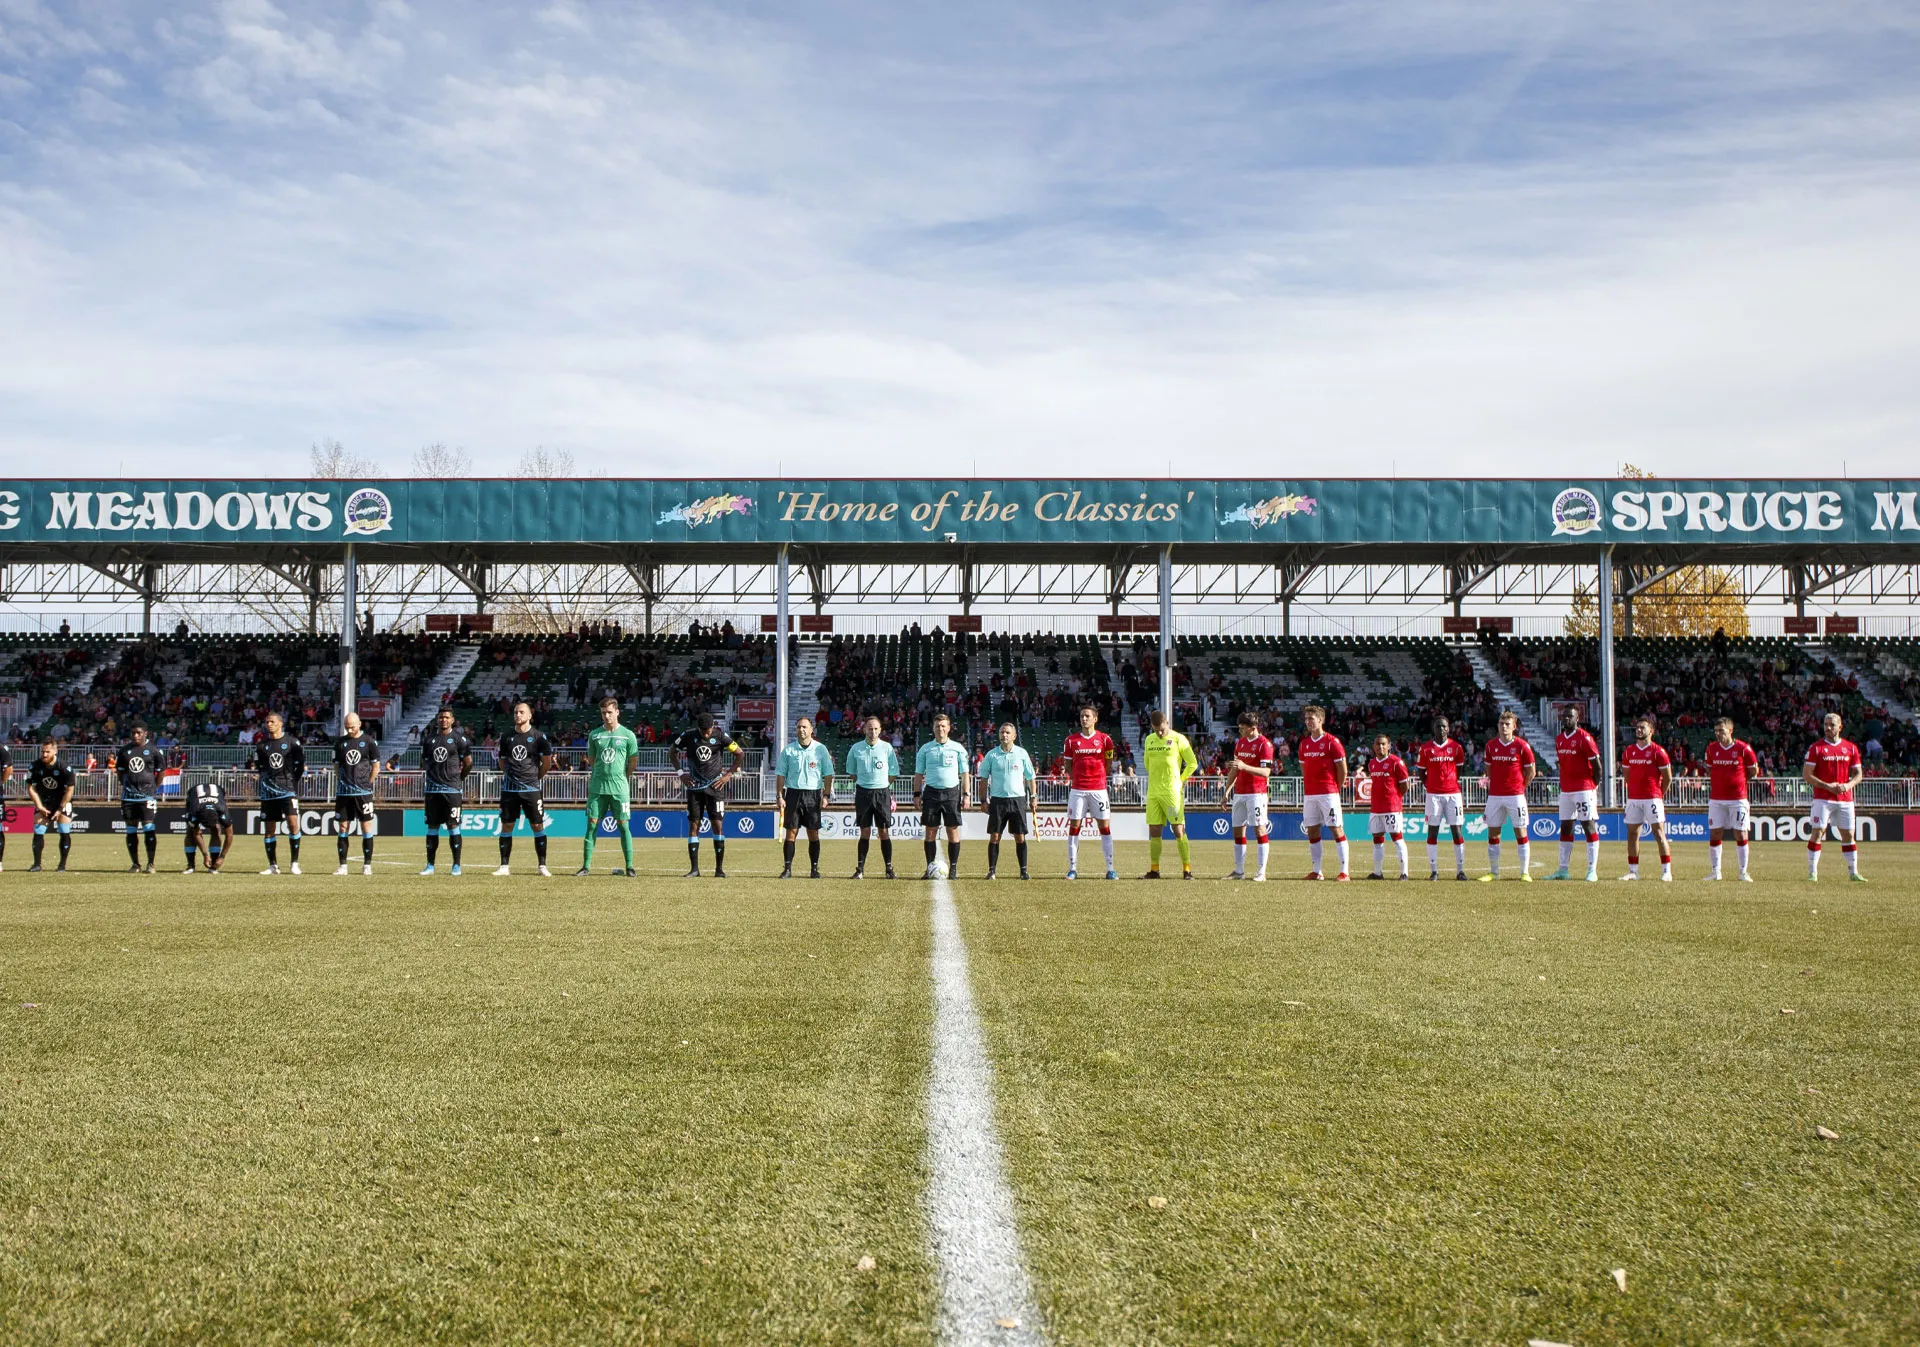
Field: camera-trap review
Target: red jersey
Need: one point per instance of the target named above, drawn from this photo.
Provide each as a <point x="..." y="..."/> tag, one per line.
<point x="1257" y="751"/>
<point x="1440" y="766"/>
<point x="1578" y="757"/>
<point x="1317" y="759"/>
<point x="1730" y="766"/>
<point x="1385" y="775"/>
<point x="1507" y="766"/>
<point x="1087" y="758"/>
<point x="1643" y="763"/>
<point x="1833" y="763"/>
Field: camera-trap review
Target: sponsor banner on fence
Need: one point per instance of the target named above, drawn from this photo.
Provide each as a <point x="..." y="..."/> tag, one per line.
<point x="315" y="820"/>
<point x="743" y="823"/>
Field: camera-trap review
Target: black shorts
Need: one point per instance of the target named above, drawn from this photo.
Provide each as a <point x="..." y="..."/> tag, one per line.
<point x="139" y="815"/>
<point x="286" y="809"/>
<point x="443" y="809"/>
<point x="705" y="804"/>
<point x="352" y="809"/>
<point x="1007" y="814"/>
<point x="872" y="807"/>
<point x="803" y="810"/>
<point x="209" y="821"/>
<point x="940" y="806"/>
<point x="515" y="804"/>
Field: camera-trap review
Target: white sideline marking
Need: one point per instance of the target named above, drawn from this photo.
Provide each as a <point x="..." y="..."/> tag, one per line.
<point x="976" y="1244"/>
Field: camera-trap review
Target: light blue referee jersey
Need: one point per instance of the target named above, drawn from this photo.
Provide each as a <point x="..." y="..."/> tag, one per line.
<point x="805" y="768"/>
<point x="1007" y="772"/>
<point x="873" y="765"/>
<point x="941" y="764"/>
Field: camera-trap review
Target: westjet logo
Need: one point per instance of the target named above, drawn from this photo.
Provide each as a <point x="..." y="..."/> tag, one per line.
<point x="196" y="511"/>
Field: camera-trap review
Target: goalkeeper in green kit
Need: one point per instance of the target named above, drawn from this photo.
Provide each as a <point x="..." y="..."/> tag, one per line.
<point x="611" y="749"/>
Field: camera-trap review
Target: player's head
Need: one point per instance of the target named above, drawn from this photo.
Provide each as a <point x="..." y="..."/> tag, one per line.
<point x="1382" y="746"/>
<point x="1008" y="734"/>
<point x="609" y="711"/>
<point x="1643" y="730"/>
<point x="522" y="716"/>
<point x="350" y="723"/>
<point x="704" y="722"/>
<point x="1830" y="724"/>
<point x="445" y="720"/>
<point x="1723" y="729"/>
<point x="871" y="728"/>
<point x="1088" y="719"/>
<point x="1570" y="717"/>
<point x="1509" y="724"/>
<point x="804" y="728"/>
<point x="942" y="726"/>
<point x="275" y="725"/>
<point x="48" y="750"/>
<point x="1159" y="721"/>
<point x="1313" y="717"/>
<point x="1249" y="724"/>
<point x="1441" y="726"/>
<point x="139" y="734"/>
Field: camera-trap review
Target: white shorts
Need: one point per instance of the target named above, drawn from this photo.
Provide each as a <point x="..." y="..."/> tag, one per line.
<point x="1727" y="815"/>
<point x="1385" y="825"/>
<point x="1831" y="814"/>
<point x="1646" y="811"/>
<point x="1506" y="809"/>
<point x="1579" y="806"/>
<point x="1446" y="811"/>
<point x="1088" y="804"/>
<point x="1250" y="811"/>
<point x="1320" y="811"/>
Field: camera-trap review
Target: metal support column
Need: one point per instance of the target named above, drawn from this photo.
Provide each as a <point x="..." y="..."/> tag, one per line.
<point x="1166" y="632"/>
<point x="349" y="634"/>
<point x="1609" y="728"/>
<point x="781" y="639"/>
<point x="149" y="591"/>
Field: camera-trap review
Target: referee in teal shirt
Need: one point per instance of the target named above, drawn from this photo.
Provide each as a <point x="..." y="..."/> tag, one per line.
<point x="805" y="774"/>
<point x="942" y="774"/>
<point x="874" y="765"/>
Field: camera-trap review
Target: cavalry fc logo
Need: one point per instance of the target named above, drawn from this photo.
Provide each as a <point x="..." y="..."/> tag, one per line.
<point x="1260" y="513"/>
<point x="1576" y="510"/>
<point x="706" y="511"/>
<point x="368" y="511"/>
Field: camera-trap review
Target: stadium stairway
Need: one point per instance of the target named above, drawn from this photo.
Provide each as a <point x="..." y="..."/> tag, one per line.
<point x="808" y="671"/>
<point x="1129" y="719"/>
<point x="81" y="682"/>
<point x="1871" y="684"/>
<point x="426" y="704"/>
<point x="1490" y="678"/>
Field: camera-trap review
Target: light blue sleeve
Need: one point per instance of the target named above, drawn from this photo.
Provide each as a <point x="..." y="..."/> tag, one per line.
<point x="1026" y="762"/>
<point x="826" y="759"/>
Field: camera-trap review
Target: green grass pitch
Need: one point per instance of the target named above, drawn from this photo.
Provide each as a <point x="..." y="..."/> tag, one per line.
<point x="394" y="1109"/>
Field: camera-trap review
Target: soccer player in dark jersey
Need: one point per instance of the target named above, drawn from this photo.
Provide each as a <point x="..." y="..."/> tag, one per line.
<point x="50" y="787"/>
<point x="525" y="759"/>
<point x="356" y="764"/>
<point x="207" y="818"/>
<point x="705" y="770"/>
<point x="281" y="762"/>
<point x="447" y="754"/>
<point x="138" y="766"/>
<point x="6" y="775"/>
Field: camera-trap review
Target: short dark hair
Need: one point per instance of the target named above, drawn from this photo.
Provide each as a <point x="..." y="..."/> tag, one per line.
<point x="137" y="725"/>
<point x="1643" y="719"/>
<point x="1248" y="718"/>
<point x="609" y="700"/>
<point x="704" y="720"/>
<point x="1724" y="720"/>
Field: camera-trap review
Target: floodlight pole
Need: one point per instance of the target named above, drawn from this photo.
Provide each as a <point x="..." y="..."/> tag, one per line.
<point x="1166" y="633"/>
<point x="780" y="708"/>
<point x="349" y="600"/>
<point x="1609" y="730"/>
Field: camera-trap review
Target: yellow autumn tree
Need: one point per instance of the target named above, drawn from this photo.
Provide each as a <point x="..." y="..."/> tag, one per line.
<point x="1693" y="601"/>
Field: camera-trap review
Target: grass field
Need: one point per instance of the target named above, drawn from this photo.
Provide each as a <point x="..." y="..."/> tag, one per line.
<point x="401" y="1110"/>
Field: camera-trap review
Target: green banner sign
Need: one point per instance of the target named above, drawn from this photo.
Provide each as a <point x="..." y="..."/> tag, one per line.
<point x="496" y="511"/>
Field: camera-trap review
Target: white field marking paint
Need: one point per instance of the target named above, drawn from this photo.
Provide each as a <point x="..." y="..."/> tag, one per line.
<point x="976" y="1245"/>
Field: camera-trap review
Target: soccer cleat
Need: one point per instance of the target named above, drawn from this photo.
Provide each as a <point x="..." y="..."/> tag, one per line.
<point x="787" y="873"/>
<point x="891" y="874"/>
<point x="1073" y="874"/>
<point x="503" y="870"/>
<point x="1432" y="875"/>
<point x="60" y="868"/>
<point x="1025" y="875"/>
<point x="692" y="874"/>
<point x="134" y="869"/>
<point x="813" y="874"/>
<point x="544" y="872"/>
<point x="1237" y="874"/>
<point x="1629" y="879"/>
<point x="1525" y="878"/>
<point x="1561" y="873"/>
<point x="429" y="870"/>
<point x="930" y="875"/>
<point x="1404" y="876"/>
<point x="718" y="873"/>
<point x="632" y="873"/>
<point x="1666" y="876"/>
<point x="991" y="874"/>
<point x="1313" y="874"/>
<point x="1746" y="879"/>
<point x="1186" y="874"/>
<point x="1376" y="875"/>
<point x="1342" y="878"/>
<point x="1593" y="876"/>
<point x="582" y="871"/>
<point x="860" y="872"/>
<point x="1113" y="874"/>
<point x="1260" y="878"/>
<point x="1490" y="878"/>
<point x="1856" y="878"/>
<point x="191" y="870"/>
<point x="1151" y="874"/>
<point x="456" y="868"/>
<point x="1460" y="876"/>
<point x="274" y="870"/>
<point x="1709" y="879"/>
<point x="340" y="869"/>
<point x="34" y="867"/>
<point x="366" y="868"/>
<point x="1813" y="879"/>
<point x="295" y="868"/>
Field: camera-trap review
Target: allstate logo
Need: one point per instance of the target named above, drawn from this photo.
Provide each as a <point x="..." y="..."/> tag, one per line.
<point x="652" y="824"/>
<point x="1545" y="827"/>
<point x="1576" y="510"/>
<point x="368" y="511"/>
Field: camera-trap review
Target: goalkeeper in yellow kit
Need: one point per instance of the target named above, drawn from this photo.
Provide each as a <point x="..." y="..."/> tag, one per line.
<point x="1170" y="761"/>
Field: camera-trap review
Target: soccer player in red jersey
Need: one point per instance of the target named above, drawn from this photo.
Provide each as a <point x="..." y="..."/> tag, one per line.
<point x="1731" y="764"/>
<point x="1649" y="773"/>
<point x="1386" y="774"/>
<point x="1577" y="753"/>
<point x="1323" y="772"/>
<point x="1439" y="762"/>
<point x="1252" y="774"/>
<point x="1088" y="753"/>
<point x="1833" y="770"/>
<point x="1510" y="770"/>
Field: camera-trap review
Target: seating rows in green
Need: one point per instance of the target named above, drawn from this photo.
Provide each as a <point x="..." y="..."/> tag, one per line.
<point x="551" y="669"/>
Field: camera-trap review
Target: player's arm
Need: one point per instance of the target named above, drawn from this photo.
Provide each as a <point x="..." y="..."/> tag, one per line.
<point x="373" y="774"/>
<point x="1809" y="775"/>
<point x="1189" y="763"/>
<point x="1859" y="772"/>
<point x="1666" y="776"/>
<point x="1033" y="781"/>
<point x="33" y="793"/>
<point x="966" y="784"/>
<point x="66" y="797"/>
<point x="1533" y="769"/>
<point x="1340" y="770"/>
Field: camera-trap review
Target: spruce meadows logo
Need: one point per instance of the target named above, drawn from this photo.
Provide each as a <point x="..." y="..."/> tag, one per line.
<point x="1576" y="510"/>
<point x="1260" y="513"/>
<point x="368" y="511"/>
<point x="708" y="510"/>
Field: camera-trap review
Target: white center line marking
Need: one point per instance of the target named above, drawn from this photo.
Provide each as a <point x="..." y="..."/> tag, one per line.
<point x="986" y="1295"/>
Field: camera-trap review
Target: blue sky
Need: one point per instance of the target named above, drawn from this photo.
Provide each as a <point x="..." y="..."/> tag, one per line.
<point x="1292" y="239"/>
